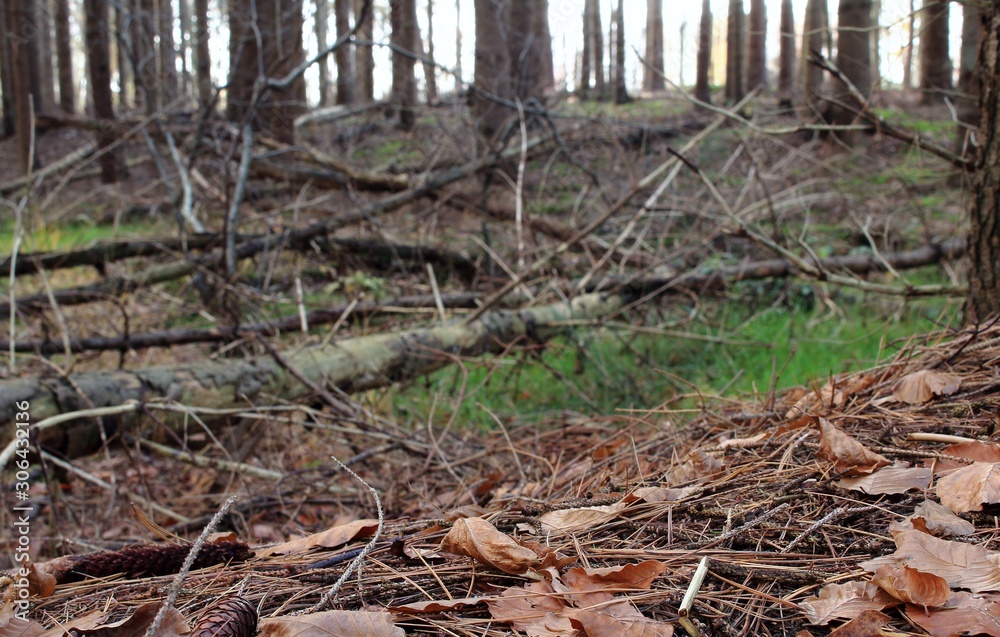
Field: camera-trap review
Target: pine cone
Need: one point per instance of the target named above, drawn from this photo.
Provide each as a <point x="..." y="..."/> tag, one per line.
<point x="231" y="616"/>
<point x="147" y="560"/>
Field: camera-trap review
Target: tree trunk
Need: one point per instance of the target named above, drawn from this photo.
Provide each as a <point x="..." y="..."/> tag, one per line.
<point x="279" y="25"/>
<point x="853" y="59"/>
<point x="99" y="63"/>
<point x="935" y="62"/>
<point x="65" y="55"/>
<point x="45" y="55"/>
<point x="22" y="18"/>
<point x="321" y="19"/>
<point x="876" y="41"/>
<point x="592" y="66"/>
<point x="342" y="56"/>
<point x="652" y="71"/>
<point x="621" y="93"/>
<point x="458" y="42"/>
<point x="813" y="39"/>
<point x="430" y="70"/>
<point x="168" y="56"/>
<point x="786" y="57"/>
<point x="911" y="25"/>
<point x="583" y="86"/>
<point x="757" y="45"/>
<point x="525" y="50"/>
<point x="702" y="90"/>
<point x="493" y="74"/>
<point x="202" y="52"/>
<point x="364" y="61"/>
<point x="143" y="48"/>
<point x="6" y="76"/>
<point x="426" y="64"/>
<point x="543" y="36"/>
<point x="967" y="101"/>
<point x="122" y="45"/>
<point x="184" y="18"/>
<point x="734" y="52"/>
<point x="984" y="227"/>
<point x="403" y="18"/>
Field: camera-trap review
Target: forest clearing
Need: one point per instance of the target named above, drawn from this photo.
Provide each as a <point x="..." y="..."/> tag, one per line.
<point x="565" y="349"/>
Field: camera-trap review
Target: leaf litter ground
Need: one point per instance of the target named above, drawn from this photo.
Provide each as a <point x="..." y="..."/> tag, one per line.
<point x="819" y="507"/>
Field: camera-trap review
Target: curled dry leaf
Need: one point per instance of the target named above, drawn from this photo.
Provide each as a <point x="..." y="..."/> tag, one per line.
<point x="40" y="583"/>
<point x="331" y="538"/>
<point x="697" y="467"/>
<point x="618" y="620"/>
<point x="550" y="557"/>
<point x="437" y="605"/>
<point x="534" y="609"/>
<point x="939" y="520"/>
<point x="870" y="623"/>
<point x="480" y="540"/>
<point x="912" y="586"/>
<point x="341" y="623"/>
<point x="659" y="494"/>
<point x="849" y="457"/>
<point x="845" y="601"/>
<point x="580" y="519"/>
<point x="11" y="625"/>
<point x="919" y="387"/>
<point x="897" y="478"/>
<point x="960" y="564"/>
<point x="135" y="625"/>
<point x="968" y="488"/>
<point x="967" y="614"/>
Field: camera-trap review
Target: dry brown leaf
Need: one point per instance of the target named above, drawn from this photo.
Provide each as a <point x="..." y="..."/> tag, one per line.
<point x="939" y="520"/>
<point x="13" y="625"/>
<point x="912" y="586"/>
<point x="967" y="614"/>
<point x="919" y="387"/>
<point x="339" y="623"/>
<point x="968" y="488"/>
<point x="629" y="577"/>
<point x="659" y="494"/>
<point x="480" y="540"/>
<point x="962" y="565"/>
<point x="697" y="467"/>
<point x="535" y="609"/>
<point x="849" y="457"/>
<point x="897" y="478"/>
<point x="437" y="605"/>
<point x="578" y="520"/>
<point x="870" y="623"/>
<point x="845" y="601"/>
<point x="548" y="555"/>
<point x="615" y="622"/>
<point x="135" y="625"/>
<point x="331" y="538"/>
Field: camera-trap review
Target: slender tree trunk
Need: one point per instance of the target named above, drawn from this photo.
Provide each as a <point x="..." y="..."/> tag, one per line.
<point x="202" y="52"/>
<point x="757" y="45"/>
<point x="526" y="44"/>
<point x="458" y="41"/>
<point x="168" y="56"/>
<point x="702" y="91"/>
<point x="44" y="57"/>
<point x="543" y="36"/>
<point x="968" y="80"/>
<point x="584" y="86"/>
<point x="364" y="60"/>
<point x="321" y="19"/>
<point x="184" y="17"/>
<point x="621" y="93"/>
<point x="786" y="56"/>
<point x="430" y="71"/>
<point x="143" y="46"/>
<point x="734" y="52"/>
<point x="984" y="227"/>
<point x="911" y="35"/>
<point x="427" y="65"/>
<point x="99" y="58"/>
<point x="403" y="17"/>
<point x="652" y="72"/>
<point x="21" y="20"/>
<point x="876" y="41"/>
<point x="814" y="38"/>
<point x="65" y="56"/>
<point x="935" y="61"/>
<point x="597" y="49"/>
<point x="342" y="56"/>
<point x="122" y="45"/>
<point x="493" y="74"/>
<point x="6" y="76"/>
<point x="853" y="58"/>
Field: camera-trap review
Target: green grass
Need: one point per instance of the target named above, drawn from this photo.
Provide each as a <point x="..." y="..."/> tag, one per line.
<point x="746" y="346"/>
<point x="66" y="236"/>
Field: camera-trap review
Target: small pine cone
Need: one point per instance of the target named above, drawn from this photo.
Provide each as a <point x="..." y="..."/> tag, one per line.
<point x="147" y="560"/>
<point x="231" y="616"/>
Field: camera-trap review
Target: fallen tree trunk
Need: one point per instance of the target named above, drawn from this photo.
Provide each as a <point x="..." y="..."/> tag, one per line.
<point x="352" y="365"/>
<point x="697" y="282"/>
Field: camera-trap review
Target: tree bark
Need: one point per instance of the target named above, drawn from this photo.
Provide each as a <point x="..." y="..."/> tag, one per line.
<point x="967" y="100"/>
<point x="184" y="19"/>
<point x="543" y="36"/>
<point x="652" y="72"/>
<point x="22" y="19"/>
<point x="403" y="18"/>
<point x="493" y="73"/>
<point x="734" y="52"/>
<point x="168" y="56"/>
<point x="122" y="45"/>
<point x="910" y="35"/>
<point x="757" y="45"/>
<point x="592" y="64"/>
<point x="935" y="61"/>
<point x="876" y="41"/>
<point x="202" y="52"/>
<point x="323" y="66"/>
<point x="342" y="56"/>
<point x="7" y="101"/>
<point x="44" y="57"/>
<point x="620" y="91"/>
<point x="427" y="65"/>
<point x="364" y="61"/>
<point x="853" y="59"/>
<point x="145" y="75"/>
<point x="64" y="53"/>
<point x="786" y="57"/>
<point x="814" y="38"/>
<point x="984" y="227"/>
<point x="99" y="63"/>
<point x="702" y="90"/>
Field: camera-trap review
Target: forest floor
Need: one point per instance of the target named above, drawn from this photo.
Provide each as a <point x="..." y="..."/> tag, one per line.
<point x="773" y="427"/>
